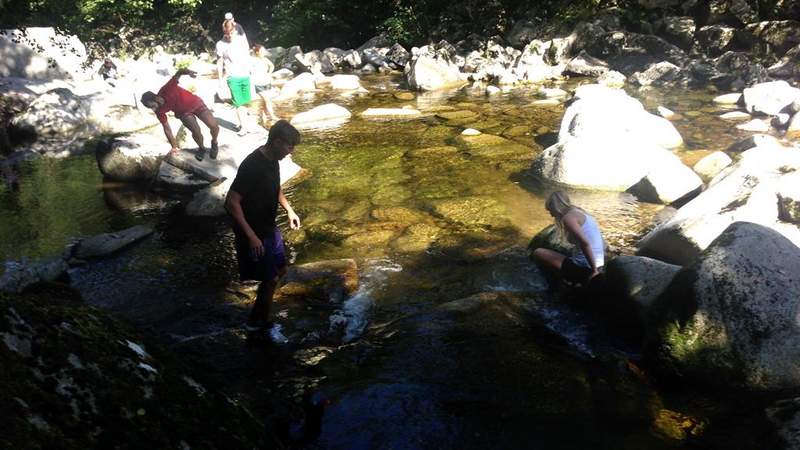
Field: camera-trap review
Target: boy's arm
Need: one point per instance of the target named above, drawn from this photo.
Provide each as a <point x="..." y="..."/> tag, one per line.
<point x="170" y="137"/>
<point x="233" y="204"/>
<point x="294" y="219"/>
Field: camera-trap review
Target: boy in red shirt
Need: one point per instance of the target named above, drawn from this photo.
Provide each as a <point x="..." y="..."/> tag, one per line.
<point x="188" y="108"/>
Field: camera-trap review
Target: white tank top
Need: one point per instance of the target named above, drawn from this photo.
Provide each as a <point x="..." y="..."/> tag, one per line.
<point x="592" y="232"/>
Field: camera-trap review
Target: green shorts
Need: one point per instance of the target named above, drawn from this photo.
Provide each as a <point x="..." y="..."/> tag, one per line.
<point x="240" y="90"/>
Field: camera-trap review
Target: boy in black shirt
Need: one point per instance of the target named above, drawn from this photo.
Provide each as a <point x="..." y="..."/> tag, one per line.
<point x="252" y="202"/>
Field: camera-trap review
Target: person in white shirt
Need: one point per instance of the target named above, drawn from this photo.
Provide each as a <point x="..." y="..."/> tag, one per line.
<point x="233" y="66"/>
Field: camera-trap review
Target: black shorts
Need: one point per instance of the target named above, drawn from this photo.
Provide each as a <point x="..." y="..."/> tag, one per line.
<point x="573" y="272"/>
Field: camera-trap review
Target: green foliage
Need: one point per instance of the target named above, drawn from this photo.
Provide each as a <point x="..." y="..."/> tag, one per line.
<point x="184" y="63"/>
<point x="408" y="24"/>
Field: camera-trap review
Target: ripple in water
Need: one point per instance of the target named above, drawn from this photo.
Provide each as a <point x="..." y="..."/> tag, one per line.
<point x="353" y="317"/>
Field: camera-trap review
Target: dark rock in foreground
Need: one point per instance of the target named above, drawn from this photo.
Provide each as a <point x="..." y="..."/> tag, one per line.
<point x="74" y="378"/>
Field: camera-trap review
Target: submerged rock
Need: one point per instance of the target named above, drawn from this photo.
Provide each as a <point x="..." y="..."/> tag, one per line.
<point x="390" y="112"/>
<point x="328" y="280"/>
<point x="19" y="275"/>
<point x="108" y="243"/>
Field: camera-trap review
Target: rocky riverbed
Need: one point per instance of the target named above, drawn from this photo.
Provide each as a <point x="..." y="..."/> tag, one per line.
<point x="413" y="317"/>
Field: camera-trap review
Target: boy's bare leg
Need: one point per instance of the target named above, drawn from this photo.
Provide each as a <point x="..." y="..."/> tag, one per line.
<point x="190" y="121"/>
<point x="213" y="126"/>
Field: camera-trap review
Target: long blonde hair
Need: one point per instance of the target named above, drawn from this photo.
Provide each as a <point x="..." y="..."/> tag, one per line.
<point x="559" y="205"/>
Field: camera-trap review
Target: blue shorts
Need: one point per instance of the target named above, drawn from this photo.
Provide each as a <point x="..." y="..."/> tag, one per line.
<point x="269" y="265"/>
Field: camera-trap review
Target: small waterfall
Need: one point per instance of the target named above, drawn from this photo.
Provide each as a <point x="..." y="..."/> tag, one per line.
<point x="353" y="317"/>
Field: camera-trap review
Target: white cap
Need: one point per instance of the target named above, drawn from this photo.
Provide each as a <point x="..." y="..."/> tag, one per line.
<point x="228" y="16"/>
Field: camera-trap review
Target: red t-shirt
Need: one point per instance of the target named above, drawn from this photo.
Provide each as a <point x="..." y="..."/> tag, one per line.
<point x="176" y="99"/>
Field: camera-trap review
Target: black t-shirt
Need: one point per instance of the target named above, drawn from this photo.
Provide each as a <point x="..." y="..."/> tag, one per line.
<point x="258" y="181"/>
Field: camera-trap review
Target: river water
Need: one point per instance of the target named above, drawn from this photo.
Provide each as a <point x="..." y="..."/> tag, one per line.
<point x="430" y="218"/>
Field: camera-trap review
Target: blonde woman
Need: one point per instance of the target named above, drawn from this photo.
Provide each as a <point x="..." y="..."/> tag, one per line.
<point x="582" y="231"/>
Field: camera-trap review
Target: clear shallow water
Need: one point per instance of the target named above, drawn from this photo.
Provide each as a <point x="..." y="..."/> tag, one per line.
<point x="430" y="217"/>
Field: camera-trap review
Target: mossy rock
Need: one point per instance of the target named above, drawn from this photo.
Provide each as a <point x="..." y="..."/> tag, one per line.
<point x="488" y="145"/>
<point x="439" y="108"/>
<point x="436" y="135"/>
<point x="457" y="115"/>
<point x="485" y="125"/>
<point x="470" y="246"/>
<point x="432" y="152"/>
<point x="328" y="232"/>
<point x="356" y="211"/>
<point x="370" y="242"/>
<point x="551" y="239"/>
<point x="399" y="214"/>
<point x="74" y="378"/>
<point x="517" y="130"/>
<point x="471" y="211"/>
<point x="416" y="238"/>
<point x="405" y="96"/>
<point x="391" y="195"/>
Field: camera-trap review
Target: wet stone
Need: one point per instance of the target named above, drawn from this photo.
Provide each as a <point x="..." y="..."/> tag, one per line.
<point x="517" y="130"/>
<point x="405" y="96"/>
<point x="439" y="108"/>
<point x="457" y="115"/>
<point x="356" y="212"/>
<point x="488" y="145"/>
<point x="399" y="214"/>
<point x="471" y="211"/>
<point x="416" y="238"/>
<point x="469" y="246"/>
<point x="370" y="242"/>
<point x="432" y="152"/>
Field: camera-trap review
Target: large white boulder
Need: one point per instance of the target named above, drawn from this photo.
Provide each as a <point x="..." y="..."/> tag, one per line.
<point x="600" y="112"/>
<point x="745" y="191"/>
<point x="297" y="85"/>
<point x="345" y="82"/>
<point x="606" y="141"/>
<point x="58" y="112"/>
<point x="668" y="181"/>
<point x="41" y="53"/>
<point x="769" y="98"/>
<point x="135" y="158"/>
<point x="589" y="164"/>
<point x="432" y="68"/>
<point x="323" y="113"/>
<point x="730" y="318"/>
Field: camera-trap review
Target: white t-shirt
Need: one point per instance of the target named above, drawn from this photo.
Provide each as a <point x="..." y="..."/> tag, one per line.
<point x="235" y="55"/>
